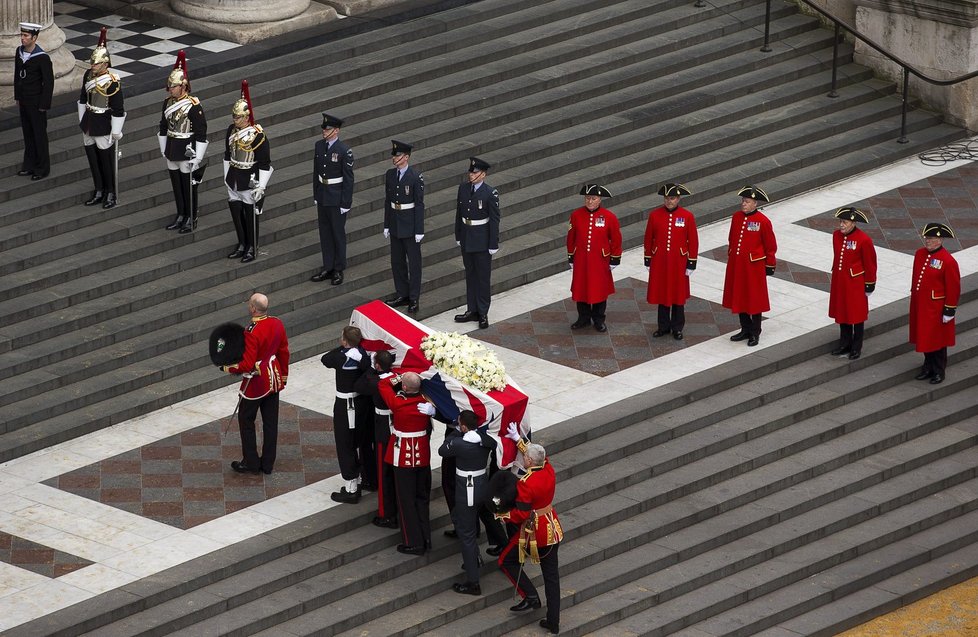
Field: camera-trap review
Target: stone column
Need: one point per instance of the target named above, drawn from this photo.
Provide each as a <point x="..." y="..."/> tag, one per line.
<point x="938" y="37"/>
<point x="243" y="21"/>
<point x="51" y="39"/>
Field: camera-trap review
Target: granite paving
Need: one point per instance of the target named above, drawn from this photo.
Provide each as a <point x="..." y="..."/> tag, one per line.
<point x="38" y="558"/>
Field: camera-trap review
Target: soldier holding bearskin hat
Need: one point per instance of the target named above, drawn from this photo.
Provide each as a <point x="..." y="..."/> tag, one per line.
<point x="853" y="280"/>
<point x="247" y="170"/>
<point x="101" y="114"/>
<point x="671" y="248"/>
<point x="934" y="293"/>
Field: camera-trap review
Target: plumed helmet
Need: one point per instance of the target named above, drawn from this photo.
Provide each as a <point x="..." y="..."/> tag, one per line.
<point x="243" y="105"/>
<point x="178" y="76"/>
<point x="100" y="54"/>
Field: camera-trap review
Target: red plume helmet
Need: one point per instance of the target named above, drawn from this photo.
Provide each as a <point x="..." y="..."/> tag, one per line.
<point x="242" y="106"/>
<point x="179" y="73"/>
<point x="100" y="53"/>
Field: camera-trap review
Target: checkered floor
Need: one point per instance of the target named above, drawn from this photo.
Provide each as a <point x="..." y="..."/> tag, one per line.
<point x="134" y="47"/>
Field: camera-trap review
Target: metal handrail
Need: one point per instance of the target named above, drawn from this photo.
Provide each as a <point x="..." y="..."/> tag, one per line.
<point x="906" y="66"/>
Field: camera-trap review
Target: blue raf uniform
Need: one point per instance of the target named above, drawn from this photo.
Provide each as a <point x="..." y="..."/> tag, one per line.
<point x="332" y="189"/>
<point x="477" y="234"/>
<point x="404" y="226"/>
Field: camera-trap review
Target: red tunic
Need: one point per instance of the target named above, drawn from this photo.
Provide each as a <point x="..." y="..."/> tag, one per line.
<point x="593" y="244"/>
<point x="751" y="247"/>
<point x="408" y="446"/>
<point x="936" y="284"/>
<point x="535" y="491"/>
<point x="853" y="267"/>
<point x="670" y="240"/>
<point x="266" y="357"/>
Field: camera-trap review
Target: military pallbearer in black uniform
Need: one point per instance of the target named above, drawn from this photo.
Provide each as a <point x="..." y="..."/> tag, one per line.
<point x="332" y="190"/>
<point x="477" y="234"/>
<point x="33" y="87"/>
<point x="183" y="141"/>
<point x="247" y="169"/>
<point x="101" y="114"/>
<point x="404" y="226"/>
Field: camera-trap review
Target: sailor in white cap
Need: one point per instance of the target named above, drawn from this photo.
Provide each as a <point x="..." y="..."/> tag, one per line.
<point x="33" y="86"/>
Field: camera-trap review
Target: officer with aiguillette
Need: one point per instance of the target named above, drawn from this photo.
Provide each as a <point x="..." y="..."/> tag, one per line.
<point x="247" y="169"/>
<point x="101" y="114"/>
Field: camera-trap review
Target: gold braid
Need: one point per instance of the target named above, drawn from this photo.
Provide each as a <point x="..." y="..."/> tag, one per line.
<point x="240" y="144"/>
<point x="101" y="91"/>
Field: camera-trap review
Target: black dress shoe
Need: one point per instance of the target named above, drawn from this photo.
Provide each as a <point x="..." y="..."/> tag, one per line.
<point x="740" y="336"/>
<point x="413" y="307"/>
<point x="468" y="317"/>
<point x="483" y="322"/>
<point x="368" y="486"/>
<point x="24" y="173"/>
<point x="853" y="355"/>
<point x="600" y="327"/>
<point x="410" y="550"/>
<point x="95" y="198"/>
<point x="937" y="379"/>
<point x="110" y="201"/>
<point x="580" y="324"/>
<point x="752" y="341"/>
<point x="553" y="628"/>
<point x="467" y="588"/>
<point x="241" y="467"/>
<point x="384" y="523"/>
<point x="337" y="277"/>
<point x="527" y="603"/>
<point x="176" y="223"/>
<point x="398" y="301"/>
<point x="678" y="335"/>
<point x="495" y="551"/>
<point x="839" y="351"/>
<point x="238" y="252"/>
<point x="267" y="472"/>
<point x="249" y="254"/>
<point x="922" y="376"/>
<point x="322" y="275"/>
<point x="346" y="497"/>
<point x="187" y="226"/>
<point x="452" y="533"/>
<point x="37" y="177"/>
<point x="658" y="333"/>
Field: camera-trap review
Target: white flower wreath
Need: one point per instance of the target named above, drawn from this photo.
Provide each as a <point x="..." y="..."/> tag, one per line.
<point x="464" y="359"/>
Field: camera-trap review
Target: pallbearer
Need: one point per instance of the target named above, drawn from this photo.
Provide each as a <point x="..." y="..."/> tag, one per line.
<point x="183" y="142"/>
<point x="247" y="169"/>
<point x="853" y="280"/>
<point x="101" y="114"/>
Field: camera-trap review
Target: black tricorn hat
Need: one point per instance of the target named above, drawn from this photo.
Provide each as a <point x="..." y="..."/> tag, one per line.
<point x="937" y="230"/>
<point x="477" y="165"/>
<point x="331" y="121"/>
<point x="400" y="147"/>
<point x="851" y="214"/>
<point x="502" y="491"/>
<point x="227" y="344"/>
<point x="753" y="192"/>
<point x="674" y="190"/>
<point x="594" y="190"/>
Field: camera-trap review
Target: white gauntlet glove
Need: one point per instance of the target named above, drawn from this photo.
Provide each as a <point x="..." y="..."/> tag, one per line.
<point x="426" y="408"/>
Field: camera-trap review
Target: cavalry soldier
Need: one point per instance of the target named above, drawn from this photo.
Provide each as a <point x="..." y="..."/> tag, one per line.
<point x="409" y="453"/>
<point x="934" y="293"/>
<point x="33" y="88"/>
<point x="477" y="234"/>
<point x="853" y="280"/>
<point x="671" y="247"/>
<point x="593" y="251"/>
<point x="404" y="226"/>
<point x="751" y="246"/>
<point x="101" y="114"/>
<point x="332" y="190"/>
<point x="247" y="169"/>
<point x="367" y="385"/>
<point x="183" y="142"/>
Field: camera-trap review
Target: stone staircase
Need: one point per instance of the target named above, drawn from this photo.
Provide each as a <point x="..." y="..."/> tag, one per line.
<point x="785" y="493"/>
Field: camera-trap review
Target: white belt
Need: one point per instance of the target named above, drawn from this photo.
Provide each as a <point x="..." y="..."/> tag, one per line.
<point x="331" y="182"/>
<point x="382" y="412"/>
<point x="96" y="109"/>
<point x="402" y="206"/>
<point x="176" y="135"/>
<point x="351" y="414"/>
<point x="243" y="164"/>
<point x="469" y="483"/>
<point x="474" y="222"/>
<point x="410" y="434"/>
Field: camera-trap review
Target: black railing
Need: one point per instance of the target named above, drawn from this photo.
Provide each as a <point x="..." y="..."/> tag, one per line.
<point x="908" y="68"/>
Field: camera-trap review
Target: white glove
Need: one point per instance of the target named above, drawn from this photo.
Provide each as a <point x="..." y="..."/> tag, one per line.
<point x="492" y="252"/>
<point x="427" y="409"/>
<point x="81" y="111"/>
<point x="688" y="272"/>
<point x="343" y="211"/>
<point x="513" y="432"/>
<point x="258" y="193"/>
<point x="612" y="266"/>
<point x="315" y="202"/>
<point x="387" y="233"/>
<point x="162" y="139"/>
<point x="117" y="136"/>
<point x="458" y="243"/>
<point x="570" y="266"/>
<point x="418" y="238"/>
<point x="946" y="319"/>
<point x="354" y="354"/>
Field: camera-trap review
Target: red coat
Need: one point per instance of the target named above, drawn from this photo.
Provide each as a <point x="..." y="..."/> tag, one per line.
<point x="593" y="245"/>
<point x="670" y="241"/>
<point x="266" y="357"/>
<point x="535" y="491"/>
<point x="409" y="445"/>
<point x="853" y="267"/>
<point x="751" y="247"/>
<point x="936" y="284"/>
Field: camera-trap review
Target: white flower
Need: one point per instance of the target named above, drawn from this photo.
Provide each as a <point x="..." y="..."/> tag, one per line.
<point x="464" y="359"/>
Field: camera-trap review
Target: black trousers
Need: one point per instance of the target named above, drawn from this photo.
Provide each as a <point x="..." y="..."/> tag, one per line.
<point x="249" y="436"/>
<point x="34" y="124"/>
<point x="478" y="272"/>
<point x="332" y="237"/>
<point x="672" y="318"/>
<point x="594" y="312"/>
<point x="406" y="267"/>
<point x="101" y="163"/>
<point x="413" y="497"/>
<point x="355" y="449"/>
<point x="851" y="336"/>
<point x="750" y="323"/>
<point x="509" y="564"/>
<point x="935" y="362"/>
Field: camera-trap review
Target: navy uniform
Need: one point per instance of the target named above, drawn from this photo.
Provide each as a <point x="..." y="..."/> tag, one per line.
<point x="332" y="190"/>
<point x="477" y="234"/>
<point x="33" y="87"/>
<point x="101" y="114"/>
<point x="183" y="142"/>
<point x="247" y="170"/>
<point x="404" y="226"/>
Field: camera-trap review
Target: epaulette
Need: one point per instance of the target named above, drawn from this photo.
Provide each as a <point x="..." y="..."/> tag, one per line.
<point x="193" y="100"/>
<point x="115" y="78"/>
<point x="259" y="128"/>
